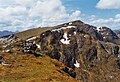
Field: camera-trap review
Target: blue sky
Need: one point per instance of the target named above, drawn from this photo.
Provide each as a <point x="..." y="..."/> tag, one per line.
<point x="89" y="8"/>
<point x="19" y="15"/>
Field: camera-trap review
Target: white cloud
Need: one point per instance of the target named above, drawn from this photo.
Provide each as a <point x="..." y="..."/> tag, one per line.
<point x="113" y="23"/>
<point x="53" y="13"/>
<point x="108" y="4"/>
<point x="18" y="10"/>
<point x="25" y="14"/>
<point x="24" y="2"/>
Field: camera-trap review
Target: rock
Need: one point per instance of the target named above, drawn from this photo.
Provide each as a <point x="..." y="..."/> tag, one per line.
<point x="92" y="53"/>
<point x="107" y="34"/>
<point x="4" y="63"/>
<point x="69" y="71"/>
<point x="77" y="64"/>
<point x="117" y="32"/>
<point x="82" y="42"/>
<point x="1" y="58"/>
<point x="116" y="50"/>
<point x="29" y="47"/>
<point x="118" y="63"/>
<point x="88" y="29"/>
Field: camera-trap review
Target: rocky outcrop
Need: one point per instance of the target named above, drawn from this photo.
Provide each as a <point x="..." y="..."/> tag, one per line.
<point x="118" y="63"/>
<point x="116" y="50"/>
<point x="107" y="34"/>
<point x="89" y="54"/>
<point x="117" y="33"/>
<point x="81" y="47"/>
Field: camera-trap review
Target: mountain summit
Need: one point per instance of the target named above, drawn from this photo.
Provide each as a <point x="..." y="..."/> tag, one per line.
<point x="88" y="53"/>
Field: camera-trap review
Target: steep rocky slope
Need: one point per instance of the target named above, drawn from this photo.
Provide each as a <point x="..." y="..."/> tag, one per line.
<point x="117" y="32"/>
<point x="108" y="35"/>
<point x="88" y="53"/>
<point x="82" y="44"/>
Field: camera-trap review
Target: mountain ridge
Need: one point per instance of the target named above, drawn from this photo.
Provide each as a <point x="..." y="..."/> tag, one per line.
<point x="5" y="33"/>
<point x="82" y="48"/>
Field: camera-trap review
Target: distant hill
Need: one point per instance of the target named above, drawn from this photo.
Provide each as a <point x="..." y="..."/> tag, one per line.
<point x="4" y="33"/>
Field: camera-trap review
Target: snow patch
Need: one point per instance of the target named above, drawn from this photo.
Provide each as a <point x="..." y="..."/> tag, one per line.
<point x="77" y="64"/>
<point x="38" y="46"/>
<point x="65" y="36"/>
<point x="111" y="76"/>
<point x="65" y="41"/>
<point x="62" y="28"/>
<point x="68" y="27"/>
<point x="75" y="33"/>
<point x="57" y="29"/>
<point x="85" y="36"/>
<point x="4" y="46"/>
<point x="118" y="55"/>
<point x="4" y="63"/>
<point x="70" y="23"/>
<point x="98" y="29"/>
<point x="70" y="35"/>
<point x="104" y="37"/>
<point x="6" y="51"/>
<point x="33" y="38"/>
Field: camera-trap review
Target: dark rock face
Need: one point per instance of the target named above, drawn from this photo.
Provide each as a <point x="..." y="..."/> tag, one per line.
<point x="29" y="47"/>
<point x="88" y="29"/>
<point x="92" y="53"/>
<point x="1" y="57"/>
<point x="117" y="33"/>
<point x="70" y="72"/>
<point x="107" y="34"/>
<point x="52" y="46"/>
<point x="78" y="42"/>
<point x="86" y="52"/>
<point x="118" y="63"/>
<point x="116" y="50"/>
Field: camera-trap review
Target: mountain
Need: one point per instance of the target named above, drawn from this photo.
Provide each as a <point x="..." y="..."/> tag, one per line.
<point x="4" y="33"/>
<point x="107" y="34"/>
<point x="117" y="32"/>
<point x="82" y="51"/>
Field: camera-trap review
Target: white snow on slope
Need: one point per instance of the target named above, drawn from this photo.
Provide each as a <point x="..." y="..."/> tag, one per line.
<point x="31" y="38"/>
<point x="3" y="63"/>
<point x="77" y="64"/>
<point x="65" y="41"/>
<point x="70" y="23"/>
<point x="62" y="28"/>
<point x="75" y="33"/>
<point x="38" y="46"/>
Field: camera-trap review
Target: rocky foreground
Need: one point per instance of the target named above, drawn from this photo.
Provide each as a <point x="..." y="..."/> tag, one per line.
<point x="74" y="51"/>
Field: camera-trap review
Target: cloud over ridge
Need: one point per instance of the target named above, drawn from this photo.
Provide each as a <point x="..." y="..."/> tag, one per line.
<point x="26" y="14"/>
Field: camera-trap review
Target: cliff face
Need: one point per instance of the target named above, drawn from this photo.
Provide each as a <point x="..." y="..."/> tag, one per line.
<point x="81" y="47"/>
<point x="89" y="54"/>
<point x="107" y="34"/>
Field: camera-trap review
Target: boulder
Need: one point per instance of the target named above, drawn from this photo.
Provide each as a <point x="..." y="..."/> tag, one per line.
<point x="1" y="58"/>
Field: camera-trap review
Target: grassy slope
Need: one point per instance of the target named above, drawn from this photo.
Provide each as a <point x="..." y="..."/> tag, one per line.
<point x="27" y="68"/>
<point x="31" y="32"/>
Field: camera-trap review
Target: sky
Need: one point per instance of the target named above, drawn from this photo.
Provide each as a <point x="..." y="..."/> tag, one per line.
<point x="19" y="15"/>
